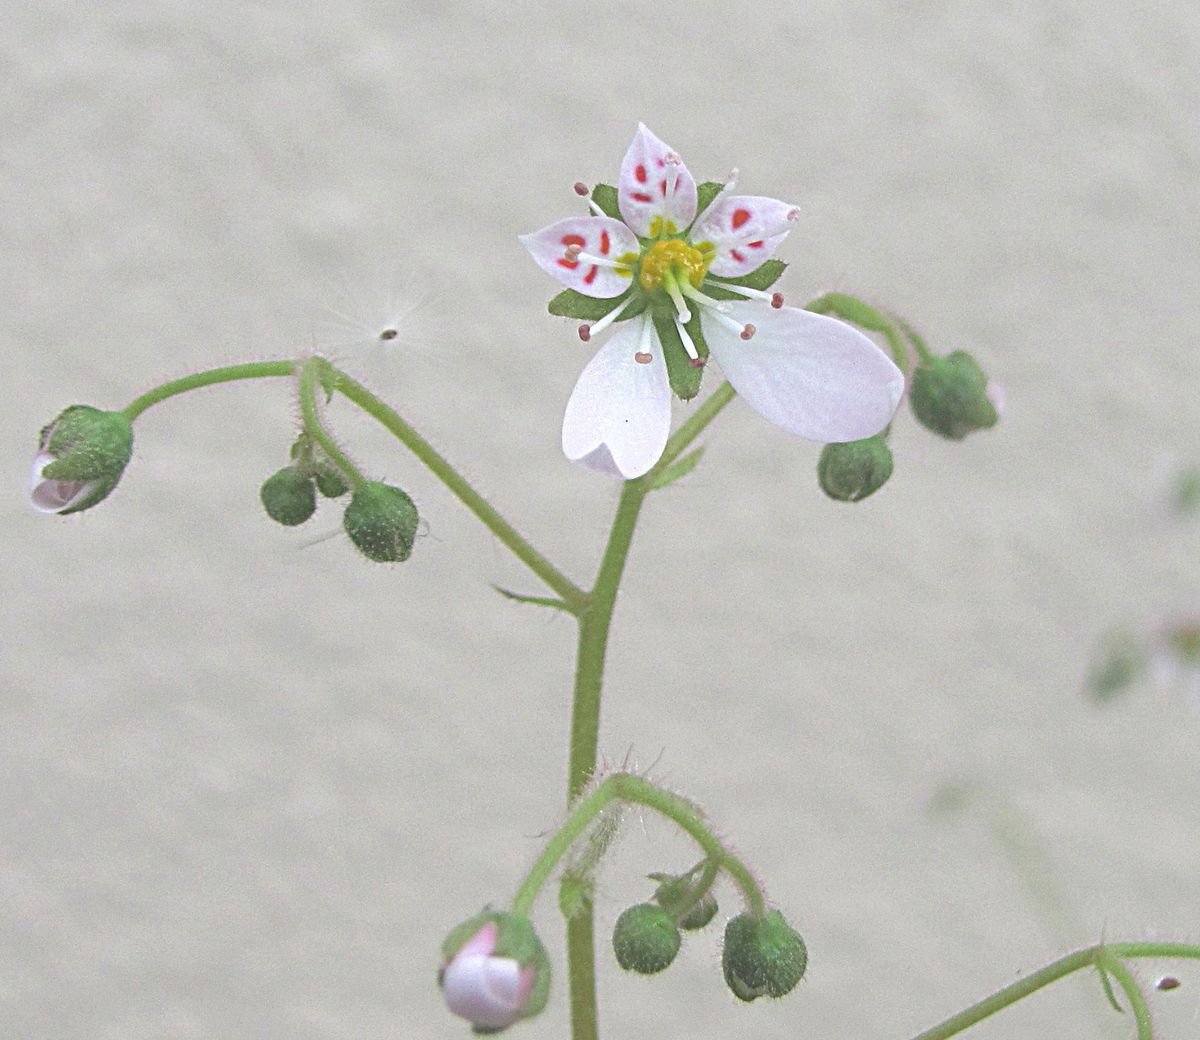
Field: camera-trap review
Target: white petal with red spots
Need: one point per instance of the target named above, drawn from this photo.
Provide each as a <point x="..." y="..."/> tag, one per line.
<point x="813" y="376"/>
<point x="597" y="236"/>
<point x="654" y="183"/>
<point x="746" y="229"/>
<point x="619" y="415"/>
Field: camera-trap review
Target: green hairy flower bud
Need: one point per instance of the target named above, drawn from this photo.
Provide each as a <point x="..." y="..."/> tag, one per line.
<point x="288" y="496"/>
<point x="850" y="472"/>
<point x="495" y="971"/>
<point x="645" y="939"/>
<point x="381" y="521"/>
<point x="762" y="956"/>
<point x="676" y="895"/>
<point x="80" y="459"/>
<point x="330" y="481"/>
<point x="950" y="396"/>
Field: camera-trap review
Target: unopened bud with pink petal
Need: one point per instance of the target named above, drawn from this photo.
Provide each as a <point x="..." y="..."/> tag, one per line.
<point x="80" y="458"/>
<point x="495" y="971"/>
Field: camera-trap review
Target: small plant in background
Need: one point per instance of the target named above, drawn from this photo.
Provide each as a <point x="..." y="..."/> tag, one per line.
<point x="678" y="272"/>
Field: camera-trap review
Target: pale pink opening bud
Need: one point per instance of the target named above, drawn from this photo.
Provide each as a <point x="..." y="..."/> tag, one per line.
<point x="54" y="496"/>
<point x="486" y="990"/>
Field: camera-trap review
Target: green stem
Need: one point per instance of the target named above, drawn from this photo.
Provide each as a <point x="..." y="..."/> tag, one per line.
<point x="1133" y="993"/>
<point x="918" y="343"/>
<point x="573" y="596"/>
<point x="855" y="311"/>
<point x="310" y="374"/>
<point x="227" y="374"/>
<point x="1101" y="956"/>
<point x="636" y="790"/>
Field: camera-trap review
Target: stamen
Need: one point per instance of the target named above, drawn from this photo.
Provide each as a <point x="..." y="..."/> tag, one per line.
<point x="744" y="331"/>
<point x="730" y="184"/>
<point x="688" y="345"/>
<point x="596" y="210"/>
<point x="581" y="189"/>
<point x="673" y="163"/>
<point x="671" y="284"/>
<point x="587" y="331"/>
<point x="781" y="228"/>
<point x="575" y="252"/>
<point x="774" y="299"/>
<point x="642" y="358"/>
<point x="388" y="334"/>
<point x="692" y="293"/>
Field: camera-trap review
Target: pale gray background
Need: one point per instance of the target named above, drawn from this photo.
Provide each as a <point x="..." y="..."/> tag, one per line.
<point x="248" y="785"/>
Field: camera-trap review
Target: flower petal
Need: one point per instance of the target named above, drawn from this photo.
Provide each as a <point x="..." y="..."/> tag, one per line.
<point x="486" y="991"/>
<point x="596" y="236"/>
<point x="813" y="376"/>
<point x="655" y="183"/>
<point x="619" y="414"/>
<point x="740" y="227"/>
<point x="54" y="496"/>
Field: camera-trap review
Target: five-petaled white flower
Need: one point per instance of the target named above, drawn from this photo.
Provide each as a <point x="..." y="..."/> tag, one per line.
<point x="673" y="274"/>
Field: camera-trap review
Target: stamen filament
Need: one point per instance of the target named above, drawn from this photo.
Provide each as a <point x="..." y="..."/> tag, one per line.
<point x="744" y="331"/>
<point x="686" y="340"/>
<point x="596" y="209"/>
<point x="692" y="293"/>
<point x="596" y="327"/>
<point x="775" y="299"/>
<point x="781" y="228"/>
<point x="671" y="284"/>
<point x="577" y="253"/>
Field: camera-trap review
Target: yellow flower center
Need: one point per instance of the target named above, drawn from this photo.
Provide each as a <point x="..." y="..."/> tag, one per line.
<point x="661" y="257"/>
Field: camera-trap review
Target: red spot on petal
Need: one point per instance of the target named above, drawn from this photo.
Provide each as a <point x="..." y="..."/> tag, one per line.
<point x="590" y="276"/>
<point x="639" y="172"/>
<point x="662" y="187"/>
<point x="570" y="265"/>
<point x="755" y="245"/>
<point x="740" y="216"/>
<point x="604" y="243"/>
<point x="573" y="240"/>
<point x="641" y="196"/>
<point x="736" y="255"/>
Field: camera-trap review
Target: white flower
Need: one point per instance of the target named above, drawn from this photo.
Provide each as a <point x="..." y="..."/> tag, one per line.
<point x="488" y="991"/>
<point x="809" y="374"/>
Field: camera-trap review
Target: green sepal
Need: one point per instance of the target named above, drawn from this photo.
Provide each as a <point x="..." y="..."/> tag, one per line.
<point x="706" y="191"/>
<point x="645" y="939"/>
<point x="288" y="496"/>
<point x="515" y="939"/>
<point x="87" y="444"/>
<point x="537" y="601"/>
<point x="851" y="471"/>
<point x="381" y="521"/>
<point x="685" y="380"/>
<point x="678" y="469"/>
<point x="762" y="956"/>
<point x="949" y="396"/>
<point x="572" y="304"/>
<point x="605" y="196"/>
<point x="762" y="277"/>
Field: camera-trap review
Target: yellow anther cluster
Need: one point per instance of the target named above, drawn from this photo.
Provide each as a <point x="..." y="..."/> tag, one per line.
<point x="674" y="253"/>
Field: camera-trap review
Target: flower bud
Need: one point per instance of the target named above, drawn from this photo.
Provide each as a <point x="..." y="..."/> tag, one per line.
<point x="676" y="893"/>
<point x="381" y="521"/>
<point x="850" y="472"/>
<point x="762" y="956"/>
<point x="330" y="481"/>
<point x="288" y="496"/>
<point x="80" y="459"/>
<point x="495" y="971"/>
<point x="950" y="396"/>
<point x="645" y="939"/>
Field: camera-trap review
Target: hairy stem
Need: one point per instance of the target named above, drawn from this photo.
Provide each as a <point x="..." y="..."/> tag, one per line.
<point x="226" y="374"/>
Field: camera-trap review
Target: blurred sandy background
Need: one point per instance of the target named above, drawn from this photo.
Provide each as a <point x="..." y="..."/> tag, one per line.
<point x="247" y="785"/>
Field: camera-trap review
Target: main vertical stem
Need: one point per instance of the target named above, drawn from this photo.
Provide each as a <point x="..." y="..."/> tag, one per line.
<point x="594" y="622"/>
